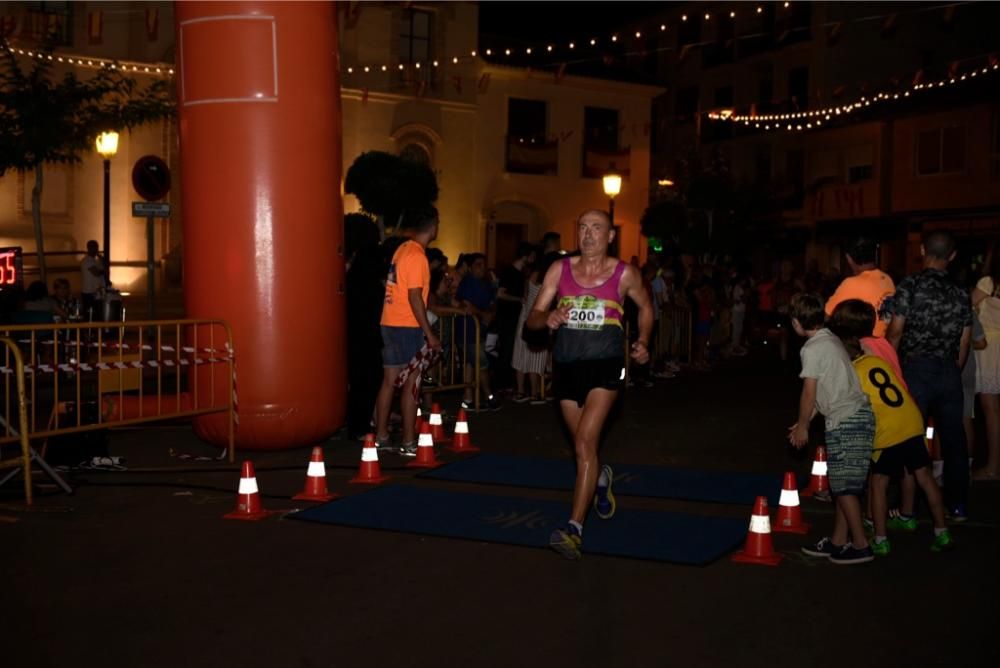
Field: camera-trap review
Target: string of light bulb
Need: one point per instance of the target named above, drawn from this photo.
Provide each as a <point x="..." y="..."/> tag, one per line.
<point x="572" y="51"/>
<point x="90" y="62"/>
<point x="814" y="118"/>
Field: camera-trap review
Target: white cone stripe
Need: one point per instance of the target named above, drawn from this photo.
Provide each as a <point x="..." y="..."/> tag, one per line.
<point x="760" y="524"/>
<point x="248" y="485"/>
<point x="369" y="455"/>
<point x="789" y="497"/>
<point x="436" y="419"/>
<point x="461" y="427"/>
<point x="819" y="468"/>
<point x="316" y="470"/>
<point x="930" y="433"/>
<point x="425" y="441"/>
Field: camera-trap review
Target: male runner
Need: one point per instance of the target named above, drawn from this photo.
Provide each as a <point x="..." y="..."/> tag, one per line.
<point x="588" y="358"/>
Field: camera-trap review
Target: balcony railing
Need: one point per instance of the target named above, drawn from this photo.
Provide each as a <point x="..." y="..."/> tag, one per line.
<point x="532" y="156"/>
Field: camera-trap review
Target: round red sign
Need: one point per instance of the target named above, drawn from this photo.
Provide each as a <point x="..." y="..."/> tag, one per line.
<point x="151" y="178"/>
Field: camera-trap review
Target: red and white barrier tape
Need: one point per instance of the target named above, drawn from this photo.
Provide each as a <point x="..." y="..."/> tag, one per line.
<point x="126" y="346"/>
<point x="73" y="367"/>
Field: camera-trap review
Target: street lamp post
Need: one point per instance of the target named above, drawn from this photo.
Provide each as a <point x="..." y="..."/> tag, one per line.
<point x="107" y="146"/>
<point x="612" y="186"/>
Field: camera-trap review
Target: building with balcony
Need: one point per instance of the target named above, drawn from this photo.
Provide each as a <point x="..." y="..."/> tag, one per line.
<point x="893" y="169"/>
<point x="517" y="153"/>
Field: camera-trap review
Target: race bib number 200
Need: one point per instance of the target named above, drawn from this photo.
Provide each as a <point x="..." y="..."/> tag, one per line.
<point x="586" y="312"/>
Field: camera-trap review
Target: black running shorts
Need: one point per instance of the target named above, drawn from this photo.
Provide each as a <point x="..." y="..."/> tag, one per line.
<point x="573" y="381"/>
<point x="911" y="455"/>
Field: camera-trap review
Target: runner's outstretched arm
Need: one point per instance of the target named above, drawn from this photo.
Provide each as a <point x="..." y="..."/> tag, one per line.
<point x="632" y="282"/>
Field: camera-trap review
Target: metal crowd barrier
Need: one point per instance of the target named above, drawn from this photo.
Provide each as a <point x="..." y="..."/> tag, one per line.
<point x="23" y="462"/>
<point x="674" y="335"/>
<point x="449" y="373"/>
<point x="83" y="377"/>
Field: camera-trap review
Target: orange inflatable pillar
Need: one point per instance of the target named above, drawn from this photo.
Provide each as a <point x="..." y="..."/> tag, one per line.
<point x="260" y="166"/>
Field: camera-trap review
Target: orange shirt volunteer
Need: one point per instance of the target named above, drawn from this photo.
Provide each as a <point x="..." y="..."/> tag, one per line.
<point x="871" y="286"/>
<point x="409" y="269"/>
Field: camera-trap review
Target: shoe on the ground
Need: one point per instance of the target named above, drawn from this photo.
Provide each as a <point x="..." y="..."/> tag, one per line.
<point x="604" y="499"/>
<point x="822" y="548"/>
<point x="900" y="523"/>
<point x="880" y="549"/>
<point x="468" y="405"/>
<point x="492" y="404"/>
<point x="538" y="401"/>
<point x="958" y="514"/>
<point x="408" y="449"/>
<point x="567" y="542"/>
<point x="848" y="555"/>
<point x="383" y="443"/>
<point x="943" y="542"/>
<point x="520" y="398"/>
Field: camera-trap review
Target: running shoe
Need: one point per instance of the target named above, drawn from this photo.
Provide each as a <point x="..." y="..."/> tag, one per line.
<point x="848" y="555"/>
<point x="383" y="443"/>
<point x="520" y="398"/>
<point x="468" y="405"/>
<point x="943" y="542"/>
<point x="958" y="514"/>
<point x="567" y="542"/>
<point x="538" y="401"/>
<point x="902" y="523"/>
<point x="408" y="449"/>
<point x="869" y="526"/>
<point x="492" y="404"/>
<point x="822" y="549"/>
<point x="604" y="499"/>
<point x="880" y="549"/>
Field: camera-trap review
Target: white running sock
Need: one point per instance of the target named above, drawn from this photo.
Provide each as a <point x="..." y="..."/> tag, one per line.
<point x="602" y="480"/>
<point x="579" y="527"/>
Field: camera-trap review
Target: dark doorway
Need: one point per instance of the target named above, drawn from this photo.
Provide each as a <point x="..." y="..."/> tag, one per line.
<point x="506" y="238"/>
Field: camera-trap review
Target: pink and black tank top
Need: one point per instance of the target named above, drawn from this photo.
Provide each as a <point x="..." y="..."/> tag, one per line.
<point x="594" y="331"/>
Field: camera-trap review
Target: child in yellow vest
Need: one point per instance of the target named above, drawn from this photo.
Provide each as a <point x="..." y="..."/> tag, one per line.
<point x="899" y="426"/>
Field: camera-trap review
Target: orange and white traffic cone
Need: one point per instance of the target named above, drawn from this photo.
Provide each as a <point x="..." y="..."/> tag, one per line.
<point x="425" y="450"/>
<point x="437" y="424"/>
<point x="315" y="489"/>
<point x="758" y="548"/>
<point x="461" y="440"/>
<point x="248" y="506"/>
<point x="789" y="518"/>
<point x="370" y="473"/>
<point x="819" y="485"/>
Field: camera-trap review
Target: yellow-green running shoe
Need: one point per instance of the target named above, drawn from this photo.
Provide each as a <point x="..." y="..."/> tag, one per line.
<point x="901" y="523"/>
<point x="604" y="500"/>
<point x="881" y="549"/>
<point x="567" y="542"/>
<point x="943" y="542"/>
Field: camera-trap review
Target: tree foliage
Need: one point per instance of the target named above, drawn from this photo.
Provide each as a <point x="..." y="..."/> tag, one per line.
<point x="386" y="185"/>
<point x="45" y="118"/>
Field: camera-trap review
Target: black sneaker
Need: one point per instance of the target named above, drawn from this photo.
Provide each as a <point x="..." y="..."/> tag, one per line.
<point x="822" y="549"/>
<point x="848" y="555"/>
<point x="492" y="404"/>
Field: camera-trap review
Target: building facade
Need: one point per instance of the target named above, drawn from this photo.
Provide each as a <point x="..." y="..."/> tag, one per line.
<point x="516" y="153"/>
<point x="893" y="169"/>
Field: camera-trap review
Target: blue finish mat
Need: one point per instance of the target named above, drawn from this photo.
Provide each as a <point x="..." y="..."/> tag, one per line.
<point x="639" y="534"/>
<point x="630" y="480"/>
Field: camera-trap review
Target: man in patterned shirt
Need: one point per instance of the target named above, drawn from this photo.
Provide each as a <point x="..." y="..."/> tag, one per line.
<point x="931" y="328"/>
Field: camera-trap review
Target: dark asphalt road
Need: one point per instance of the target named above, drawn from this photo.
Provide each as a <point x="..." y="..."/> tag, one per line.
<point x="138" y="568"/>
